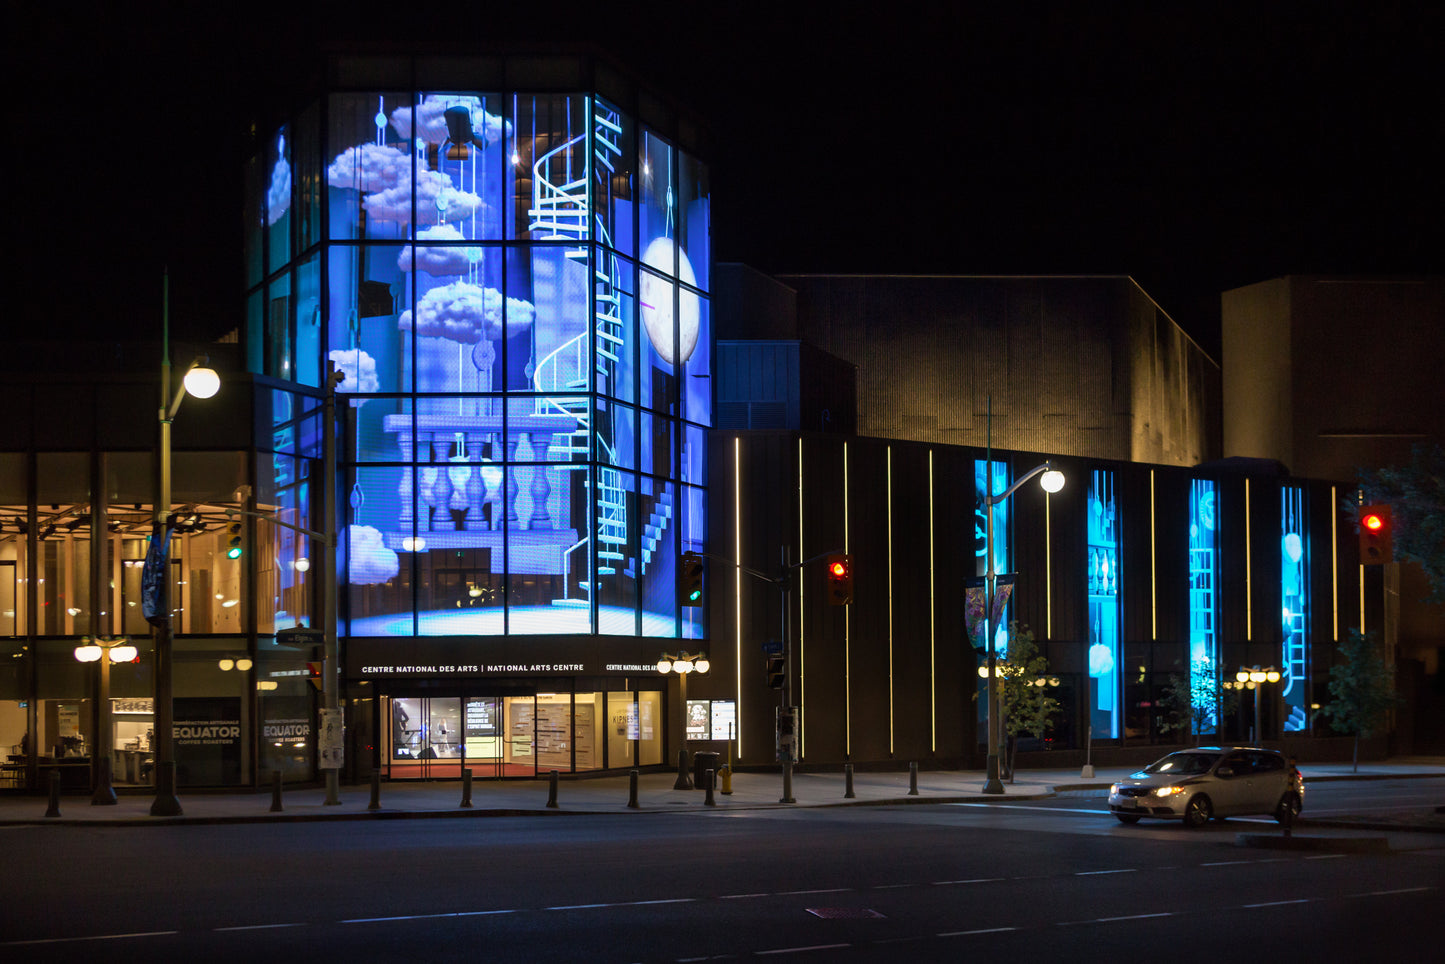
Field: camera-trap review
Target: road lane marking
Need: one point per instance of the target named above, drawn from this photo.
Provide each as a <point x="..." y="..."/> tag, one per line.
<point x="976" y="880"/>
<point x="741" y="896"/>
<point x="800" y="950"/>
<point x="1096" y="873"/>
<point x="1020" y="806"/>
<point x="255" y="927"/>
<point x="1277" y="903"/>
<point x="829" y="890"/>
<point x="1387" y="893"/>
<point x="1325" y="857"/>
<point x="93" y="937"/>
<point x="1110" y="920"/>
<point x="460" y="913"/>
<point x="981" y="930"/>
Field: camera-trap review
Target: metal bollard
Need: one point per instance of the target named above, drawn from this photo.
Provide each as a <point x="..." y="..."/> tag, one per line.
<point x="375" y="803"/>
<point x="552" y="791"/>
<point x="54" y="809"/>
<point x="276" y="791"/>
<point x="466" y="788"/>
<point x="708" y="776"/>
<point x="684" y="782"/>
<point x="632" y="791"/>
<point x="913" y="779"/>
<point x="848" y="793"/>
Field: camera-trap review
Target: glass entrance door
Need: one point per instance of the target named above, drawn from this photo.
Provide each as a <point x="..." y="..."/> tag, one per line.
<point x="426" y="739"/>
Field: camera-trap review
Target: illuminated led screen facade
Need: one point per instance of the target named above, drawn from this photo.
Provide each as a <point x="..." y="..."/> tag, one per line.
<point x="1204" y="605"/>
<point x="516" y="288"/>
<point x="1294" y="592"/>
<point x="1104" y="580"/>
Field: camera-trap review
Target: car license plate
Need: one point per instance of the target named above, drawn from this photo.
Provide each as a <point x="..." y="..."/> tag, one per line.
<point x="1129" y="803"/>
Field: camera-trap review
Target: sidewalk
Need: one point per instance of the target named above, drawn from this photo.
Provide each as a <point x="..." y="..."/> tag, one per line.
<point x="656" y="794"/>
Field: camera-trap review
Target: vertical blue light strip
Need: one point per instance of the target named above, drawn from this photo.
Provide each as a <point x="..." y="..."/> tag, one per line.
<point x="1103" y="588"/>
<point x="1203" y="605"/>
<point x="1294" y="594"/>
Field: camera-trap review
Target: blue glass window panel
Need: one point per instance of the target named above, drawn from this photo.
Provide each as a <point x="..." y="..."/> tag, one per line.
<point x="620" y="558"/>
<point x="1204" y="604"/>
<point x="457" y="322"/>
<point x="657" y="208"/>
<point x="1294" y="592"/>
<point x="369" y="170"/>
<point x="614" y="177"/>
<point x="256" y="331"/>
<point x="307" y="176"/>
<point x="308" y="322"/>
<point x="549" y="570"/>
<point x="616" y="432"/>
<point x="659" y="444"/>
<point x="464" y="134"/>
<point x="276" y="202"/>
<point x="549" y="312"/>
<point x="366" y="293"/>
<point x="694" y="454"/>
<point x="384" y="429"/>
<point x="550" y="428"/>
<point x="376" y="552"/>
<point x="548" y="167"/>
<point x="1103" y="584"/>
<point x="692" y="520"/>
<point x="616" y="339"/>
<point x="697" y="401"/>
<point x="278" y="327"/>
<point x="694" y="216"/>
<point x="460" y="585"/>
<point x="657" y="302"/>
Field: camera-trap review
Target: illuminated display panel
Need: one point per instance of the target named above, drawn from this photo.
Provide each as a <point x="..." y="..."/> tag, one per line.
<point x="1294" y="593"/>
<point x="1204" y="605"/>
<point x="515" y="286"/>
<point x="1104" y="605"/>
<point x="981" y="490"/>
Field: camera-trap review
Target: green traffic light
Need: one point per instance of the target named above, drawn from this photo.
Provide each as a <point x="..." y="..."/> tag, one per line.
<point x="695" y="595"/>
<point x="234" y="552"/>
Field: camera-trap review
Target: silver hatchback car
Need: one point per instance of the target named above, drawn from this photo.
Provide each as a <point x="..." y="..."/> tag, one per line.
<point x="1211" y="781"/>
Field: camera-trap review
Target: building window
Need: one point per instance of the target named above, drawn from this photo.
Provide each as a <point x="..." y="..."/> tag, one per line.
<point x="1294" y="593"/>
<point x="1204" y="605"/>
<point x="1103" y="578"/>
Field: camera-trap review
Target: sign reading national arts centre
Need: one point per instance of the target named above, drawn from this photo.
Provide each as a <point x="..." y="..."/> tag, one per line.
<point x="513" y="656"/>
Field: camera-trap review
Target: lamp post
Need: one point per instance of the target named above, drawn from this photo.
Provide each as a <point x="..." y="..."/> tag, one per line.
<point x="684" y="665"/>
<point x="1254" y="678"/>
<point x="91" y="650"/>
<point x="203" y="382"/>
<point x="1051" y="480"/>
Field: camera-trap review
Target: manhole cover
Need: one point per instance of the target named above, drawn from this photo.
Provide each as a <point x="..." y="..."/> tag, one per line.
<point x="843" y="913"/>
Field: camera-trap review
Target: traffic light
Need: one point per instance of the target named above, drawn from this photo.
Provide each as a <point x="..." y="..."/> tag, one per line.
<point x="233" y="540"/>
<point x="689" y="580"/>
<point x="840" y="579"/>
<point x="1377" y="535"/>
<point x="775" y="671"/>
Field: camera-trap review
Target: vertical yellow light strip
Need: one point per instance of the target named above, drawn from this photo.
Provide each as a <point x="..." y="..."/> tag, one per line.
<point x="890" y="598"/>
<point x="738" y="576"/>
<point x="798" y="584"/>
<point x="1334" y="564"/>
<point x="932" y="620"/>
<point x="1362" y="598"/>
<point x="847" y="627"/>
<point x="1248" y="573"/>
<point x="1153" y="567"/>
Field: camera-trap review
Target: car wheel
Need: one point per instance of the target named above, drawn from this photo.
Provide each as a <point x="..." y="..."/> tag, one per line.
<point x="1287" y="809"/>
<point x="1198" y="812"/>
<point x="1127" y="817"/>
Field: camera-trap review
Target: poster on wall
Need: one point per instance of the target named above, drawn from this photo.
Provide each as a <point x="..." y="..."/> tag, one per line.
<point x="331" y="747"/>
<point x="697" y="719"/>
<point x="207" y="734"/>
<point x="724" y="719"/>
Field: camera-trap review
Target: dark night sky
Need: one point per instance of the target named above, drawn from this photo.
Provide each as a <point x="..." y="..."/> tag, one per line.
<point x="1195" y="146"/>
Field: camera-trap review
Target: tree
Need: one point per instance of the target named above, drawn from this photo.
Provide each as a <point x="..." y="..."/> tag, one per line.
<point x="1026" y="686"/>
<point x="1194" y="705"/>
<point x="1416" y="496"/>
<point x="1362" y="689"/>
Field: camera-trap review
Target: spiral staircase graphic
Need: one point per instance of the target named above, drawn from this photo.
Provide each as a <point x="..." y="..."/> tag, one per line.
<point x="564" y="377"/>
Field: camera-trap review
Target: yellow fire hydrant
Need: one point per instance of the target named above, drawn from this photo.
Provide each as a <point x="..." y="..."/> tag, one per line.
<point x="725" y="778"/>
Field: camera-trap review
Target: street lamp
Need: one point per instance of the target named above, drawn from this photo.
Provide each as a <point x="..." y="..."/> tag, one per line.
<point x="684" y="665"/>
<point x="203" y="382"/>
<point x="1254" y="678"/>
<point x="118" y="650"/>
<point x="1051" y="480"/>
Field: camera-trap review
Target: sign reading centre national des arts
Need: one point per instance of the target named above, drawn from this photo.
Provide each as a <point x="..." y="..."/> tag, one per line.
<point x="471" y="656"/>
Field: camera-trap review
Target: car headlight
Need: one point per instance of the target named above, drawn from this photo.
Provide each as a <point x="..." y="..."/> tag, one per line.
<point x="1168" y="791"/>
<point x="1114" y="789"/>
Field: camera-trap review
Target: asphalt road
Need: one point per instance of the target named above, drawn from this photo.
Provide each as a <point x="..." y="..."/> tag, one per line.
<point x="923" y="883"/>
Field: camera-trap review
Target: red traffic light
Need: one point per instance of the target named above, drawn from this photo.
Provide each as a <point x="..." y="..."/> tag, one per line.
<point x="840" y="579"/>
<point x="1377" y="543"/>
<point x="838" y="568"/>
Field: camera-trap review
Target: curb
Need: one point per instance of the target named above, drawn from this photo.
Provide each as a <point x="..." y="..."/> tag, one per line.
<point x="1350" y="845"/>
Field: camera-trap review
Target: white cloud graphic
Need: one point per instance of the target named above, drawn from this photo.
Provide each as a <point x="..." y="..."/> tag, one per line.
<point x="465" y="313"/>
<point x="431" y="124"/>
<point x="370" y="561"/>
<point x="436" y="201"/>
<point x="440" y="262"/>
<point x="359" y="368"/>
<point x="369" y="167"/>
<point x="278" y="194"/>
